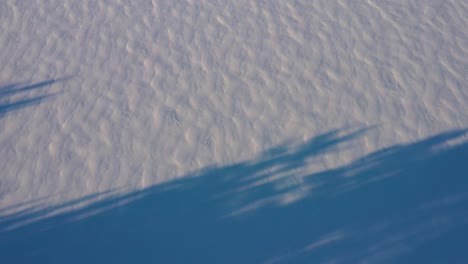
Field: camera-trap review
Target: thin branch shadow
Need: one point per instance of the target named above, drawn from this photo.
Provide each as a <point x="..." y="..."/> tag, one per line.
<point x="403" y="204"/>
<point x="7" y="91"/>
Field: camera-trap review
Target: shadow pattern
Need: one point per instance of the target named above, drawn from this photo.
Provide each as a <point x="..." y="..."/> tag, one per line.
<point x="403" y="204"/>
<point x="12" y="90"/>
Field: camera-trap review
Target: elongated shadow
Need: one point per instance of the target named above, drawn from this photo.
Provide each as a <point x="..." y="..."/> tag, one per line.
<point x="27" y="99"/>
<point x="404" y="204"/>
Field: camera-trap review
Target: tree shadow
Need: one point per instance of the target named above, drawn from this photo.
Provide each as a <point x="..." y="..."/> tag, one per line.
<point x="403" y="204"/>
<point x="12" y="90"/>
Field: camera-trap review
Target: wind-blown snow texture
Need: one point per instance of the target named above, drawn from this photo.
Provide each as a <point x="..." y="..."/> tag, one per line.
<point x="102" y="95"/>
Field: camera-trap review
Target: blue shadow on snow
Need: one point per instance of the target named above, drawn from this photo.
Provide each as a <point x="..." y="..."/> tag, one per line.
<point x="403" y="204"/>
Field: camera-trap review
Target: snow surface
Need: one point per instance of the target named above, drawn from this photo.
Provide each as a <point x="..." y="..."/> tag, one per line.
<point x="99" y="98"/>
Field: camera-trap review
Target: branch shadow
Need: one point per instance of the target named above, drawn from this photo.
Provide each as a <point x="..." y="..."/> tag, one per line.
<point x="7" y="91"/>
<point x="403" y="204"/>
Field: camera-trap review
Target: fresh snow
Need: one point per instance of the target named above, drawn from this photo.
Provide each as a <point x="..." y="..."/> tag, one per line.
<point x="111" y="97"/>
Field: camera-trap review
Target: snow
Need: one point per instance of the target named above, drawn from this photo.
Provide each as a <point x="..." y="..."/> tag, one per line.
<point x="102" y="100"/>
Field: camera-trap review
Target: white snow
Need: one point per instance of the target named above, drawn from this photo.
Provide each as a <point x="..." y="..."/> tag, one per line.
<point x="143" y="92"/>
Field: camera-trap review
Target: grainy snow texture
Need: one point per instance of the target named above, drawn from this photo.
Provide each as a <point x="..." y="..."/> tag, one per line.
<point x="106" y="95"/>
